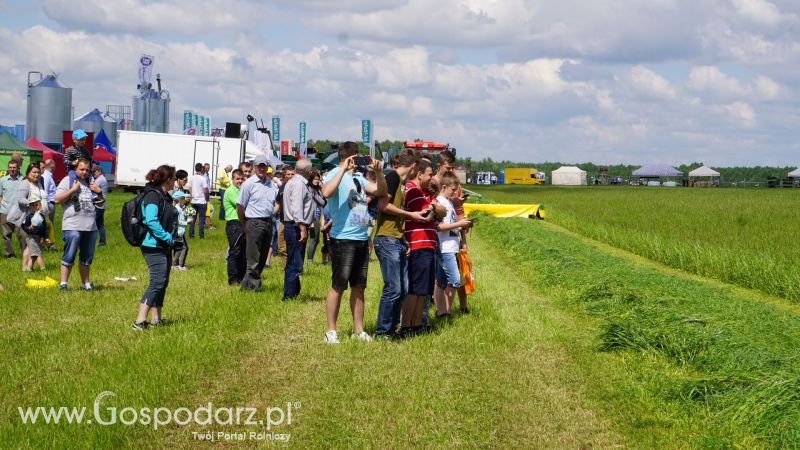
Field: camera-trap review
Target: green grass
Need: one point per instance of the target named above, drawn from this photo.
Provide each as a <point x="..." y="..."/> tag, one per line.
<point x="744" y="237"/>
<point x="568" y="346"/>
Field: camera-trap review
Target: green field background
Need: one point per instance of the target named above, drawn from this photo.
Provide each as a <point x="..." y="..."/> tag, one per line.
<point x="747" y="237"/>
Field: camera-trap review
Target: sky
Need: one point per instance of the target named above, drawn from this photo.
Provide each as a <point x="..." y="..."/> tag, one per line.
<point x="606" y="81"/>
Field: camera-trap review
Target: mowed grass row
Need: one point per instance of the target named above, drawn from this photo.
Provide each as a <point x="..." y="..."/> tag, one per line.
<point x="745" y="237"/>
<point x="733" y="356"/>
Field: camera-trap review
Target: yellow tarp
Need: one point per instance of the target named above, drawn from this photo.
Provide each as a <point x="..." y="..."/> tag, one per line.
<point x="536" y="211"/>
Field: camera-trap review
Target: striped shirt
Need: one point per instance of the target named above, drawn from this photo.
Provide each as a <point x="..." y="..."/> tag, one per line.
<point x="418" y="235"/>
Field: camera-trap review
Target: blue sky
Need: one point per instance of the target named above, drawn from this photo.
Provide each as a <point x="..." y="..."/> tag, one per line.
<point x="669" y="81"/>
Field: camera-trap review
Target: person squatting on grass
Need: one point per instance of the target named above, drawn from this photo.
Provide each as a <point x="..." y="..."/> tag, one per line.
<point x="346" y="191"/>
<point x="180" y="246"/>
<point x="448" y="277"/>
<point x="237" y="244"/>
<point x="160" y="218"/>
<point x="421" y="238"/>
<point x="300" y="202"/>
<point x="78" y="225"/>
<point x="28" y="188"/>
<point x="255" y="208"/>
<point x="391" y="248"/>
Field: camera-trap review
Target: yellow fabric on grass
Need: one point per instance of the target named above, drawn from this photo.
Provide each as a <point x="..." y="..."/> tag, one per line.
<point x="506" y="210"/>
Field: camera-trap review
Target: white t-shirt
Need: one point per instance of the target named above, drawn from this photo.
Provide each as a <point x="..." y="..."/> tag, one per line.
<point x="449" y="241"/>
<point x="198" y="185"/>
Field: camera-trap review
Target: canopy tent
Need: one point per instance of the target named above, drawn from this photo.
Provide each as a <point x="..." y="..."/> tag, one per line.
<point x="657" y="171"/>
<point x="568" y="176"/>
<point x="794" y="174"/>
<point x="704" y="171"/>
<point x="48" y="153"/>
<point x="9" y="145"/>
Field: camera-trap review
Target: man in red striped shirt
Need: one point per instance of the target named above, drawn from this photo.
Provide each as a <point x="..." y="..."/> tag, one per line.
<point x="422" y="239"/>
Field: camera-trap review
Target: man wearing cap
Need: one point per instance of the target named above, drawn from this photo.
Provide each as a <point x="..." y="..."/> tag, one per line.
<point x="255" y="208"/>
<point x="100" y="209"/>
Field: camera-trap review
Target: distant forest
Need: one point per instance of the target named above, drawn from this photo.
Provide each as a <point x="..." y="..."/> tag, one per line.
<point x="727" y="174"/>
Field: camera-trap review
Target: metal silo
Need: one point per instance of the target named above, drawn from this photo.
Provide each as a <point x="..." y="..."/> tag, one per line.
<point x="49" y="109"/>
<point x="95" y="121"/>
<point x="151" y="109"/>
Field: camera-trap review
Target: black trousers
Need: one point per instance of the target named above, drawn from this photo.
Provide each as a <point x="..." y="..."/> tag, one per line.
<point x="259" y="237"/>
<point x="237" y="251"/>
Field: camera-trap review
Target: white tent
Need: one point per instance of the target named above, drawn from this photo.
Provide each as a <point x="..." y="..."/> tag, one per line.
<point x="568" y="176"/>
<point x="704" y="171"/>
<point x="794" y="174"/>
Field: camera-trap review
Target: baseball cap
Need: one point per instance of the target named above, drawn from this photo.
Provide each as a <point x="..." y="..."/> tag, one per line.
<point x="177" y="195"/>
<point x="261" y="159"/>
<point x="78" y="134"/>
<point x="33" y="199"/>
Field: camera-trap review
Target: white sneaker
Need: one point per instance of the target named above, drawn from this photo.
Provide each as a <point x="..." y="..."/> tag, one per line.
<point x="331" y="337"/>
<point x="363" y="336"/>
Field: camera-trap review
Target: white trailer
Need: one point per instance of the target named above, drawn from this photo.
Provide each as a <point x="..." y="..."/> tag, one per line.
<point x="138" y="152"/>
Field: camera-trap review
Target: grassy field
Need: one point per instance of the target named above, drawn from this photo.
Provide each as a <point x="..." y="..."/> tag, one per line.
<point x="570" y="344"/>
<point x="745" y="237"/>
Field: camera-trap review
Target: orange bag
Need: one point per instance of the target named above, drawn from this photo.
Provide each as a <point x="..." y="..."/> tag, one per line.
<point x="467" y="272"/>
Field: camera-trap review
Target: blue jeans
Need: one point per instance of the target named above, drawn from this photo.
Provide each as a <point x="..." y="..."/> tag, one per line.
<point x="159" y="263"/>
<point x="447" y="273"/>
<point x="294" y="260"/>
<point x="391" y="253"/>
<point x="200" y="218"/>
<point x="75" y="240"/>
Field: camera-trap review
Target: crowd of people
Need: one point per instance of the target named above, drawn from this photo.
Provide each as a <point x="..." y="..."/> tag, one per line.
<point x="411" y="218"/>
<point x="27" y="211"/>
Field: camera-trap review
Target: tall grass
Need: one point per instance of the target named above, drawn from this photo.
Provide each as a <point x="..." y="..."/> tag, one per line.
<point x="738" y="358"/>
<point x="743" y="237"/>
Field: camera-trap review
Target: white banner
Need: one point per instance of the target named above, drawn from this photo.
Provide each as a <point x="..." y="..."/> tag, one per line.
<point x="145" y="69"/>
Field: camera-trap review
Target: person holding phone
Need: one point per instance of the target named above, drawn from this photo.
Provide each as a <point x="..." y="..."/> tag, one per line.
<point x="421" y="237"/>
<point x="346" y="191"/>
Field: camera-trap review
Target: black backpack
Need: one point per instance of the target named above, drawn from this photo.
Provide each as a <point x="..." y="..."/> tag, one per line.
<point x="132" y="222"/>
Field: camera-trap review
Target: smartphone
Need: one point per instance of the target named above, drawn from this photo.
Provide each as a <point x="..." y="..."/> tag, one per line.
<point x="465" y="196"/>
<point x="473" y="219"/>
<point x="427" y="213"/>
<point x="362" y="161"/>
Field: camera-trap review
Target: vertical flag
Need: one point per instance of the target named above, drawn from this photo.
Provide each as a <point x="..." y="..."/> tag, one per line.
<point x="208" y="126"/>
<point x="187" y="120"/>
<point x="195" y="123"/>
<point x="202" y="124"/>
<point x="302" y="140"/>
<point x="276" y="128"/>
<point x="366" y="133"/>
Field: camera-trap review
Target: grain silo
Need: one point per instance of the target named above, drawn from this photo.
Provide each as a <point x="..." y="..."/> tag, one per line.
<point x="49" y="109"/>
<point x="151" y="108"/>
<point x="95" y="121"/>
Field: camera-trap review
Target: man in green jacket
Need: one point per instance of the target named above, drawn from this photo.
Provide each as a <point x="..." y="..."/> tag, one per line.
<point x="237" y="259"/>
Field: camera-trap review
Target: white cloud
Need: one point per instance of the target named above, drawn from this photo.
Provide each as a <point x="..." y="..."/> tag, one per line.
<point x="761" y="12"/>
<point x="649" y="83"/>
<point x="710" y="80"/>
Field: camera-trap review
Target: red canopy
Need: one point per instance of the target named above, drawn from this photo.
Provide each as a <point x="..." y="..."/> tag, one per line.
<point x="101" y="154"/>
<point x="48" y="153"/>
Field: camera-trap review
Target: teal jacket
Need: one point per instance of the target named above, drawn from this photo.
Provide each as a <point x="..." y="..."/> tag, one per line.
<point x="160" y="224"/>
